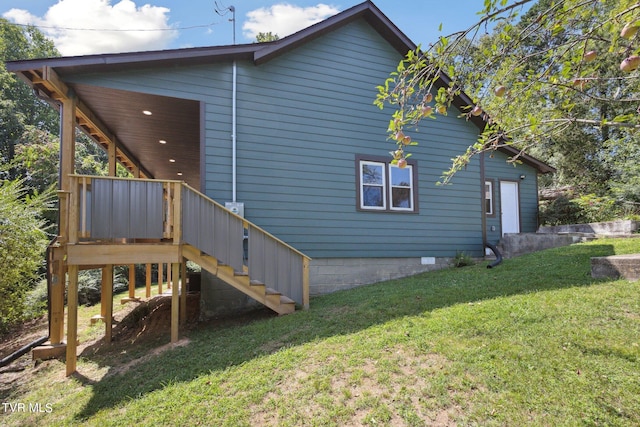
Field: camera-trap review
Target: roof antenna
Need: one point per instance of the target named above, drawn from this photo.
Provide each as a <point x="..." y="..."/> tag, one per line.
<point x="222" y="11"/>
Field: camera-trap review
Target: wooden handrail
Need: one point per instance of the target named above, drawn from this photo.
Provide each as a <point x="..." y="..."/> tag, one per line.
<point x="247" y="222"/>
<point x="162" y="214"/>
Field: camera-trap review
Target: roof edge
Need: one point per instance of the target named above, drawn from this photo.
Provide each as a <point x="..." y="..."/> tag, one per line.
<point x="366" y="10"/>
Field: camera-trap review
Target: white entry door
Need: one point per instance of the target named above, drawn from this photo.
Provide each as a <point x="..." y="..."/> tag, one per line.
<point x="509" y="207"/>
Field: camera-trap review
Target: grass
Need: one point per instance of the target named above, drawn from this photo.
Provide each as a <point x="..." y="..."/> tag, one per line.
<point x="534" y="341"/>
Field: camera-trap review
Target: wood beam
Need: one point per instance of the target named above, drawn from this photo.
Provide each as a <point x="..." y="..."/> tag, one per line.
<point x="140" y="253"/>
<point x="88" y="121"/>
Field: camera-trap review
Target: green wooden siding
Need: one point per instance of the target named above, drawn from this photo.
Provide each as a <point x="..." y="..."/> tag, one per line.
<point x="498" y="169"/>
<point x="302" y="118"/>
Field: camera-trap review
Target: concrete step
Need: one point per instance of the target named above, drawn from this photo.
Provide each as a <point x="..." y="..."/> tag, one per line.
<point x="616" y="267"/>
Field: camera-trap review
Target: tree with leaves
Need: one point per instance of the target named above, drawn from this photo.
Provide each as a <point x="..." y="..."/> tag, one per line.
<point x="266" y="37"/>
<point x="562" y="76"/>
<point x="18" y="106"/>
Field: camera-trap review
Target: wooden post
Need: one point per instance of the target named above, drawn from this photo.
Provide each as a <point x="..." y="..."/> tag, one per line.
<point x="183" y="292"/>
<point x="169" y="278"/>
<point x="305" y="283"/>
<point x="148" y="281"/>
<point x="175" y="303"/>
<point x="177" y="214"/>
<point x="112" y="159"/>
<point x="67" y="141"/>
<point x="103" y="298"/>
<point x="132" y="286"/>
<point x="132" y="281"/>
<point x="72" y="321"/>
<point x="56" y="331"/>
<point x="74" y="211"/>
<point x="160" y="277"/>
<point x="107" y="284"/>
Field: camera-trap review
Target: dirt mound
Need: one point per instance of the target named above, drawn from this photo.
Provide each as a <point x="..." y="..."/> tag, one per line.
<point x="153" y="317"/>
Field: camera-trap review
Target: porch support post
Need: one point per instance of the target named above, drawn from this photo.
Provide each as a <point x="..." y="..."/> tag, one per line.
<point x="56" y="331"/>
<point x="112" y="159"/>
<point x="148" y="281"/>
<point x="169" y="277"/>
<point x="132" y="281"/>
<point x="107" y="285"/>
<point x="72" y="321"/>
<point x="68" y="141"/>
<point x="175" y="303"/>
<point x="305" y="283"/>
<point x="160" y="277"/>
<point x="67" y="162"/>
<point x="183" y="292"/>
<point x="103" y="298"/>
<point x="132" y="286"/>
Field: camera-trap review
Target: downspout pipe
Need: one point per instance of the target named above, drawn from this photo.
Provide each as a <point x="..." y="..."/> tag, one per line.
<point x="496" y="252"/>
<point x="234" y="87"/>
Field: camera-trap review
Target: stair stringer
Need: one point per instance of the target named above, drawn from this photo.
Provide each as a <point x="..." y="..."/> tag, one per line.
<point x="240" y="281"/>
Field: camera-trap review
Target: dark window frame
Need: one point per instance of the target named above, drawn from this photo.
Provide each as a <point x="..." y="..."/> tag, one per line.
<point x="386" y="160"/>
<point x="493" y="197"/>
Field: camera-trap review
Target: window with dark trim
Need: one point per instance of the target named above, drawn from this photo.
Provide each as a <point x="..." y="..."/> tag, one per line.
<point x="384" y="187"/>
<point x="488" y="198"/>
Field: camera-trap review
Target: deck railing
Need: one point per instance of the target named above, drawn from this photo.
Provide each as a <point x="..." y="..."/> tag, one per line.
<point x="127" y="210"/>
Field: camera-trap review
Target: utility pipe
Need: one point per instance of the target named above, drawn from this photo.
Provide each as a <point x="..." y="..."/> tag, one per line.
<point x="496" y="252"/>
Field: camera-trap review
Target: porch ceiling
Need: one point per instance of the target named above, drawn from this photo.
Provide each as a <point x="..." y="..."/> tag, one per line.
<point x="174" y="120"/>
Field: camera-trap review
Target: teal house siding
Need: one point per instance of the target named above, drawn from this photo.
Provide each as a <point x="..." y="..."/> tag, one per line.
<point x="303" y="117"/>
<point x="304" y="114"/>
<point x="497" y="169"/>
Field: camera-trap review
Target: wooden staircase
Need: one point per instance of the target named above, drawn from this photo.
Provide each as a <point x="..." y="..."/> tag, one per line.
<point x="241" y="281"/>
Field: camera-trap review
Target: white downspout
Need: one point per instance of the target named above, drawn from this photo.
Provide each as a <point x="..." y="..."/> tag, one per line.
<point x="233" y="131"/>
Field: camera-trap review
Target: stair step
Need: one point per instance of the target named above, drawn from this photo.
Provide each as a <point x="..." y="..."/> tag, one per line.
<point x="286" y="300"/>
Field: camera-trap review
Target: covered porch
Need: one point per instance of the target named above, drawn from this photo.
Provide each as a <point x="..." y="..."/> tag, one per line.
<point x="158" y="216"/>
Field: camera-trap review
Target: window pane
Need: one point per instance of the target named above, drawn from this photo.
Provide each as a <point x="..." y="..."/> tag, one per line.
<point x="401" y="177"/>
<point x="401" y="197"/>
<point x="372" y="196"/>
<point x="372" y="174"/>
<point x="488" y="198"/>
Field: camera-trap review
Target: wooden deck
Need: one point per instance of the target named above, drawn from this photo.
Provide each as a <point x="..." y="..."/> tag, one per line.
<point x="113" y="221"/>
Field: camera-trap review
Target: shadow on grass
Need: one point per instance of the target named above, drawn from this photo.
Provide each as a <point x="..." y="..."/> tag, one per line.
<point x="340" y="313"/>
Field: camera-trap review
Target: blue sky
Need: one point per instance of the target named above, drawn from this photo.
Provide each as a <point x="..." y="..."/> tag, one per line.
<point x="80" y="27"/>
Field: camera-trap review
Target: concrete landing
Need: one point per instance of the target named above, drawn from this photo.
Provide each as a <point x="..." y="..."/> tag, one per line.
<point x="616" y="266"/>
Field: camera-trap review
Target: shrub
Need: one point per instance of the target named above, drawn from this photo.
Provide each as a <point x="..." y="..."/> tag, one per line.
<point x="462" y="260"/>
<point x="90" y="284"/>
<point x="583" y="209"/>
<point x="23" y="241"/>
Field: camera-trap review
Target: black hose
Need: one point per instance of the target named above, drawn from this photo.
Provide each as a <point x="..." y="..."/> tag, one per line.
<point x="13" y="356"/>
<point x="496" y="252"/>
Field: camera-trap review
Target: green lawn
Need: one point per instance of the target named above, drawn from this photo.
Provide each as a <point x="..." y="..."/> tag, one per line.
<point x="534" y="341"/>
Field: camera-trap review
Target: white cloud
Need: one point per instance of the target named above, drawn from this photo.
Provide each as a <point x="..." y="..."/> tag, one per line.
<point x="284" y="19"/>
<point x="95" y="18"/>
